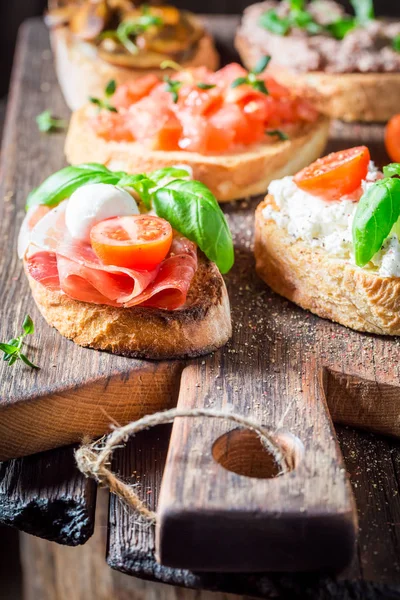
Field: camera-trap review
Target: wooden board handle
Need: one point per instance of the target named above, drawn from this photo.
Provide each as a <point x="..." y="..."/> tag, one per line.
<point x="211" y="516"/>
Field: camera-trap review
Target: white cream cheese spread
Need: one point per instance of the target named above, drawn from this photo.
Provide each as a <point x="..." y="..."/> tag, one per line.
<point x="328" y="224"/>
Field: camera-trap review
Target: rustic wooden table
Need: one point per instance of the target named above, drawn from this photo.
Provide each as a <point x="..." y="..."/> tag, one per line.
<point x="46" y="496"/>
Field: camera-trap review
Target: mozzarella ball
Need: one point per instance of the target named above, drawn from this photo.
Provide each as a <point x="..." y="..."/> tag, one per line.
<point x="96" y="202"/>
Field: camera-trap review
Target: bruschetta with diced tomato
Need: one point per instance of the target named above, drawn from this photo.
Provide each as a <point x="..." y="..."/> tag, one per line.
<point x="328" y="239"/>
<point x="236" y="130"/>
<point x="130" y="264"/>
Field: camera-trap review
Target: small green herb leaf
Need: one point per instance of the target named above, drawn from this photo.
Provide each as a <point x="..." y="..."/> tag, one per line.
<point x="47" y="123"/>
<point x="172" y="86"/>
<point x="110" y="88"/>
<point x="273" y="23"/>
<point x="392" y="170"/>
<point x="192" y="209"/>
<point x="8" y="348"/>
<point x="377" y="212"/>
<point x="278" y="133"/>
<point x="205" y="86"/>
<point x="340" y="28"/>
<point x="364" y="10"/>
<point x="28" y="325"/>
<point x="239" y="81"/>
<point x="396" y="43"/>
<point x="102" y="104"/>
<point x="261" y="65"/>
<point x="12" y="350"/>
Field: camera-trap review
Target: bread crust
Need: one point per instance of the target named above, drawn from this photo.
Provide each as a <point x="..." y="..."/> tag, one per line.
<point x="229" y="176"/>
<point x="200" y="327"/>
<point x="330" y="287"/>
<point x="349" y="96"/>
<point x="81" y="73"/>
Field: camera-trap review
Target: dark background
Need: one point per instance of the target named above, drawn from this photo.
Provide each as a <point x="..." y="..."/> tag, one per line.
<point x="13" y="12"/>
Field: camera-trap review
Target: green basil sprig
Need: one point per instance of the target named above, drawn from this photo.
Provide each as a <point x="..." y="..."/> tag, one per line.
<point x="377" y="212"/>
<point x="252" y="77"/>
<point x="12" y="349"/>
<point x="189" y="206"/>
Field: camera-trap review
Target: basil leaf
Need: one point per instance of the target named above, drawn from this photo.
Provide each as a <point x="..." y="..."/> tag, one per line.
<point x="304" y="20"/>
<point x="340" y="28"/>
<point x="26" y="360"/>
<point x="239" y="81"/>
<point x="270" y="20"/>
<point x="169" y="173"/>
<point x="364" y="10"/>
<point x="392" y="170"/>
<point x="141" y="184"/>
<point x="60" y="185"/>
<point x="192" y="210"/>
<point x="28" y="325"/>
<point x="377" y="212"/>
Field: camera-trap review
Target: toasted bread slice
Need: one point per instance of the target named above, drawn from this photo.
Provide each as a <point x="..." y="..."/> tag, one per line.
<point x="349" y="96"/>
<point x="229" y="176"/>
<point x="201" y="326"/>
<point x="330" y="287"/>
<point x="81" y="73"/>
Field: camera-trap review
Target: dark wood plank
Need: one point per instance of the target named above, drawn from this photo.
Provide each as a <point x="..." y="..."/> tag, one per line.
<point x="47" y="496"/>
<point x="212" y="513"/>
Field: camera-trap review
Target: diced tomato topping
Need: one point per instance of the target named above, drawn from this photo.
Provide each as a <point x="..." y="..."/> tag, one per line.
<point x="207" y="116"/>
<point x="392" y="138"/>
<point x="136" y="242"/>
<point x="133" y="91"/>
<point x="335" y="175"/>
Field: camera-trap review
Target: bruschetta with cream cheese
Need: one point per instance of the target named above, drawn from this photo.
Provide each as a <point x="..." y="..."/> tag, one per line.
<point x="129" y="264"/>
<point x="97" y="41"/>
<point x="328" y="239"/>
<point x="347" y="65"/>
<point x="236" y="130"/>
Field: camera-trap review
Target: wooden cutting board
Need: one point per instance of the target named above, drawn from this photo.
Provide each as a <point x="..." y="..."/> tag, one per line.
<point x="221" y="497"/>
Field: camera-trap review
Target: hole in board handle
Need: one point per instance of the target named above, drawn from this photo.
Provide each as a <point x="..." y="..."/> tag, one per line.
<point x="242" y="452"/>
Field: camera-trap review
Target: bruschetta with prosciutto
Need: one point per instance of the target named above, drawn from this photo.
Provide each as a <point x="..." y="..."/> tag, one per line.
<point x="129" y="264"/>
<point x="236" y="130"/>
<point x="328" y="239"/>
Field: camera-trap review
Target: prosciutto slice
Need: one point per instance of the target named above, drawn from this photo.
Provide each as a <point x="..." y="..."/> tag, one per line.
<point x="61" y="262"/>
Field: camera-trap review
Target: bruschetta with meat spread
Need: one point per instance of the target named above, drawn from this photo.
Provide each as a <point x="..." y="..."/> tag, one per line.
<point x="237" y="130"/>
<point x="129" y="264"/>
<point x="328" y="239"/>
<point x="347" y="65"/>
<point x="95" y="41"/>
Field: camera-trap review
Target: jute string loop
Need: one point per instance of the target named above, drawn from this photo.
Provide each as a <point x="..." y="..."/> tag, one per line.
<point x="93" y="459"/>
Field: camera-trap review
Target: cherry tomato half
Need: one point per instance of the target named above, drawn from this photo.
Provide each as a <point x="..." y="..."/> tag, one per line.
<point x="137" y="242"/>
<point x="392" y="138"/>
<point x="335" y="175"/>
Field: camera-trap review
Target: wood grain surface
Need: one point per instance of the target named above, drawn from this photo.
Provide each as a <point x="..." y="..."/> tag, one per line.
<point x="284" y="332"/>
<point x="47" y="496"/>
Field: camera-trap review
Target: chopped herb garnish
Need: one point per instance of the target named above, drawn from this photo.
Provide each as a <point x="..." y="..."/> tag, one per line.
<point x="47" y="123"/>
<point x="396" y="43"/>
<point x="205" y="86"/>
<point x="300" y="18"/>
<point x="251" y="78"/>
<point x="173" y="86"/>
<point x="108" y="92"/>
<point x="12" y="350"/>
<point x="278" y="133"/>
